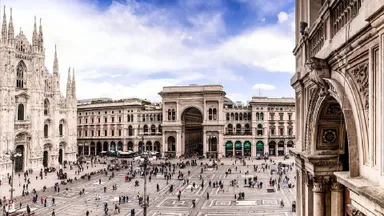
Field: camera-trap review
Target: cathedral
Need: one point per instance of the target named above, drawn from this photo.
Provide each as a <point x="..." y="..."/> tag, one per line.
<point x="37" y="121"/>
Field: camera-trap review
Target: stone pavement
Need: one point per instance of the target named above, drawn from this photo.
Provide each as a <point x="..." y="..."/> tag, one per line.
<point x="257" y="201"/>
<point x="48" y="181"/>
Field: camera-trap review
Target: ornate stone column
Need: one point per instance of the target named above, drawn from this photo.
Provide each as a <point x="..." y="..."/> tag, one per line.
<point x="319" y="196"/>
<point x="308" y="191"/>
<point x="337" y="197"/>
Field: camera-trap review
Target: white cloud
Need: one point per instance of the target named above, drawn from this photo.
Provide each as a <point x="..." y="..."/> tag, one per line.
<point x="266" y="87"/>
<point x="119" y="43"/>
<point x="282" y="17"/>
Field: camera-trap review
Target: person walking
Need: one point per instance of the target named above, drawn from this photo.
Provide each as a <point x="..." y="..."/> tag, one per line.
<point x="53" y="212"/>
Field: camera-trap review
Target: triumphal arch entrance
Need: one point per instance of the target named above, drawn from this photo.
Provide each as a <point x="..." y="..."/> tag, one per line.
<point x="193" y="123"/>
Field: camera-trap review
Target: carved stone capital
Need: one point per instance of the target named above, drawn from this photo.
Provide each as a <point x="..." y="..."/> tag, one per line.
<point x="320" y="184"/>
<point x="336" y="186"/>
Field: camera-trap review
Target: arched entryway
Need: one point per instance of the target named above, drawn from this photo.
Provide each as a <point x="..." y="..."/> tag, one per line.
<point x="238" y="149"/>
<point x="331" y="132"/>
<point x="272" y="148"/>
<point x="86" y="148"/>
<point x="99" y="148"/>
<point x="119" y="146"/>
<point x="19" y="161"/>
<point x="192" y="120"/>
<point x="228" y="149"/>
<point x="212" y="147"/>
<point x="280" y="148"/>
<point x="156" y="146"/>
<point x="62" y="148"/>
<point x="148" y="146"/>
<point x="140" y="147"/>
<point x="247" y="149"/>
<point x="259" y="149"/>
<point x="130" y="146"/>
<point x="93" y="148"/>
<point x="45" y="158"/>
<point x="60" y="159"/>
<point x="105" y="146"/>
<point x="171" y="144"/>
<point x="290" y="144"/>
<point x="80" y="148"/>
<point x="112" y="146"/>
<point x="46" y="154"/>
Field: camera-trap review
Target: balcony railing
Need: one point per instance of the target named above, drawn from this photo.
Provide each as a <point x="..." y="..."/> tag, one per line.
<point x="316" y="41"/>
<point x="343" y="12"/>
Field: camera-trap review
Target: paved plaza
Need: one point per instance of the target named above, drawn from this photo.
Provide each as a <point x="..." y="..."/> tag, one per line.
<point x="257" y="202"/>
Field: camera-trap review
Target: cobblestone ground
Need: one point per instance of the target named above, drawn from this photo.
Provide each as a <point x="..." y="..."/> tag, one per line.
<point x="257" y="201"/>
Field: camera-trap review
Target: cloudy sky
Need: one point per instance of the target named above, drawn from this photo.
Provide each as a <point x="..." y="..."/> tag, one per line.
<point x="132" y="48"/>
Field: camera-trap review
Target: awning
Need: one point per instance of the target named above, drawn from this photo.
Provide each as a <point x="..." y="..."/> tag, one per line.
<point x="259" y="145"/>
<point x="238" y="144"/>
<point x="247" y="145"/>
<point x="229" y="145"/>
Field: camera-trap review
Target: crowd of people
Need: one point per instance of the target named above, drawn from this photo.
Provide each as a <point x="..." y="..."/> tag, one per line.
<point x="180" y="170"/>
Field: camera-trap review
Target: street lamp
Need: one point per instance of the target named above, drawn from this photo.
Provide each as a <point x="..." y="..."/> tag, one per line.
<point x="145" y="164"/>
<point x="13" y="155"/>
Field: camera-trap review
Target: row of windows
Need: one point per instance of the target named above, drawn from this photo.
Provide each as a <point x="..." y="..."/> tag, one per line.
<point x="130" y="118"/>
<point x="105" y="112"/>
<point x="248" y="116"/>
<point x="131" y="130"/>
<point x="46" y="130"/>
<point x="246" y="130"/>
<point x="239" y="116"/>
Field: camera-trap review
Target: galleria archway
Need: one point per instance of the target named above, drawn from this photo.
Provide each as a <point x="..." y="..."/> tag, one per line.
<point x="192" y="120"/>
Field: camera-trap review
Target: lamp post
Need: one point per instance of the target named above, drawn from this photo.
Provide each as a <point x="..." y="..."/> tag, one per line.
<point x="13" y="155"/>
<point x="145" y="164"/>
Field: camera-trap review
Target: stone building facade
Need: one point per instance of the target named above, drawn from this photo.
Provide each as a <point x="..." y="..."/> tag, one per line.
<point x="339" y="107"/>
<point x="36" y="120"/>
<point x="189" y="120"/>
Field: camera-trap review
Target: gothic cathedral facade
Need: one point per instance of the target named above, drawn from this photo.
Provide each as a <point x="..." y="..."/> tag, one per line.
<point x="37" y="121"/>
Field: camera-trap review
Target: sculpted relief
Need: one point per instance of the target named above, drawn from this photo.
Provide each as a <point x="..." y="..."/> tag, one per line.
<point x="359" y="75"/>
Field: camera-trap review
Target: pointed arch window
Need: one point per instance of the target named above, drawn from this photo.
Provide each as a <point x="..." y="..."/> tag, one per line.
<point x="262" y="116"/>
<point x="257" y="117"/>
<point x="20" y="112"/>
<point x="61" y="129"/>
<point x="45" y="131"/>
<point x="227" y="116"/>
<point x="20" y="72"/>
<point x="46" y="107"/>
<point x="241" y="116"/>
<point x="128" y="118"/>
<point x="236" y="117"/>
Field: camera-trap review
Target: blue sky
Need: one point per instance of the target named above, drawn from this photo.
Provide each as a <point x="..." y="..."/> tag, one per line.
<point x="132" y="48"/>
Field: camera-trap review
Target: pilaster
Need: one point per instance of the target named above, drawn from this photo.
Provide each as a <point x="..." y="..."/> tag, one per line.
<point x="319" y="188"/>
<point x="337" y="192"/>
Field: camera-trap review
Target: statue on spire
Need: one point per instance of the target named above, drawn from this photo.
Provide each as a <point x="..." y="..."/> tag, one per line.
<point x="73" y="84"/>
<point x="35" y="41"/>
<point x="4" y="28"/>
<point x="69" y="89"/>
<point x="11" y="30"/>
<point x="55" y="63"/>
<point x="41" y="38"/>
